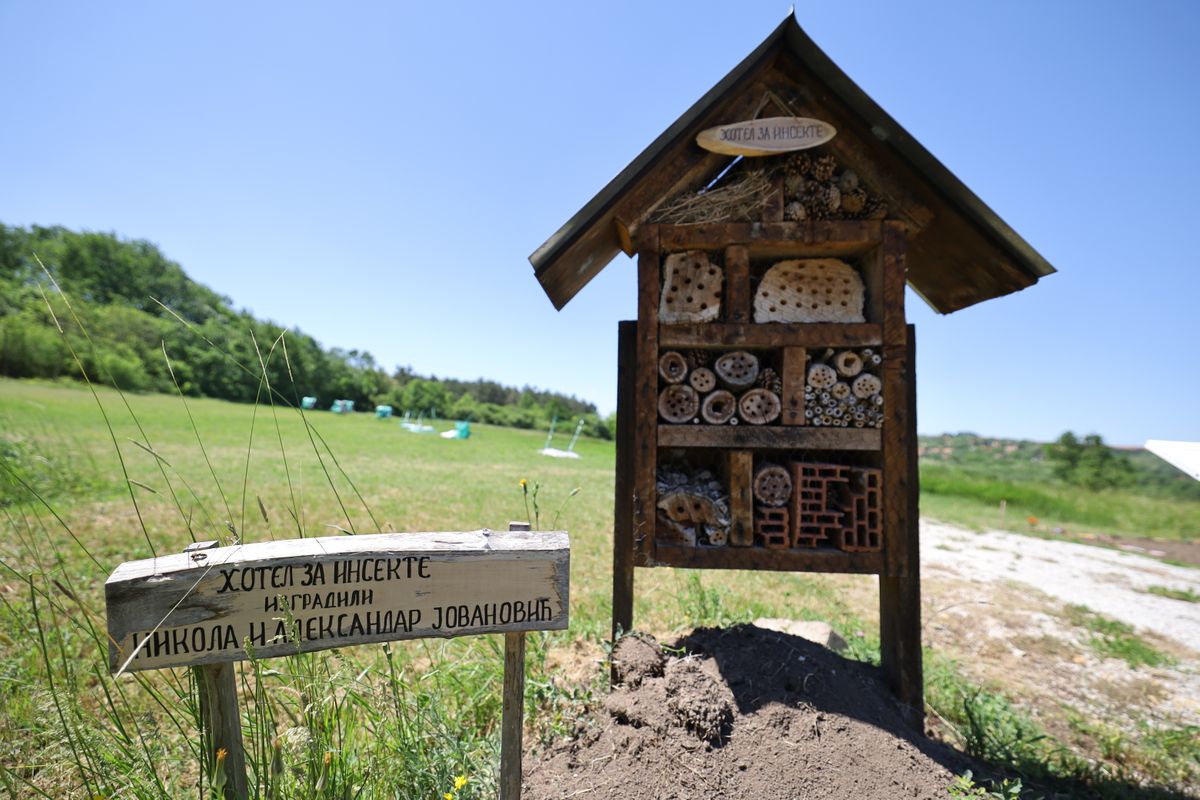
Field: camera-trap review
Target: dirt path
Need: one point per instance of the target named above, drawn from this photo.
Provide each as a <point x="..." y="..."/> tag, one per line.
<point x="1112" y="582"/>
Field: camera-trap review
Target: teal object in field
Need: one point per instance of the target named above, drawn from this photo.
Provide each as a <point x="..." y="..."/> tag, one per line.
<point x="342" y="406"/>
<point x="383" y="412"/>
<point x="461" y="430"/>
<point x="308" y="403"/>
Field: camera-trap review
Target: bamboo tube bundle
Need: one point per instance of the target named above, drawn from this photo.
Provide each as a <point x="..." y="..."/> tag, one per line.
<point x="772" y="485"/>
<point x="738" y="370"/>
<point x="759" y="407"/>
<point x="703" y="380"/>
<point x="848" y="363"/>
<point x="672" y="367"/>
<point x="718" y="407"/>
<point x="678" y="403"/>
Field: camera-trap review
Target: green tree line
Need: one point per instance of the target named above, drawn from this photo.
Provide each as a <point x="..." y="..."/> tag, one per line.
<point x="138" y="321"/>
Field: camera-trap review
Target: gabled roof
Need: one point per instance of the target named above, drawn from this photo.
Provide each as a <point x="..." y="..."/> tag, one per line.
<point x="960" y="253"/>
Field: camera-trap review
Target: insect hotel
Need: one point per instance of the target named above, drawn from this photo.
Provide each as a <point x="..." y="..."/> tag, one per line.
<point x="766" y="414"/>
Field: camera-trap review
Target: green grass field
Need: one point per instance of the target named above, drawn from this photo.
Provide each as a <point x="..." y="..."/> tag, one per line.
<point x="354" y="723"/>
<point x="354" y="473"/>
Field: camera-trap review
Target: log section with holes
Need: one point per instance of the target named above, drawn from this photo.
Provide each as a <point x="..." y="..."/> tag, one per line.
<point x="204" y="607"/>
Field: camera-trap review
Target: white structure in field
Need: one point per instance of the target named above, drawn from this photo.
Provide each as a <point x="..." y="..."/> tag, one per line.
<point x="1184" y="456"/>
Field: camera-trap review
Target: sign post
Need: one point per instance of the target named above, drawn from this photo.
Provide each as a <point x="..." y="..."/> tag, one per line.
<point x="210" y="606"/>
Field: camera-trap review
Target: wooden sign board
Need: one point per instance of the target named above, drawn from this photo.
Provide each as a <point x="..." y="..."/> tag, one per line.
<point x="766" y="137"/>
<point x="280" y="598"/>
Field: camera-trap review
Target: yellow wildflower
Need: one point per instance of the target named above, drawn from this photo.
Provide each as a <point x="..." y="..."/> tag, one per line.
<point x="460" y="782"/>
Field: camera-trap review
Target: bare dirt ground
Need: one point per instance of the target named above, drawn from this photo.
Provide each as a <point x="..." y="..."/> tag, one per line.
<point x="745" y="712"/>
<point x="1001" y="604"/>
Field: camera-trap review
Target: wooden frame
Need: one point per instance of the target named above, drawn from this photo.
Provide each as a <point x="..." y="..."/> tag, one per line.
<point x="879" y="247"/>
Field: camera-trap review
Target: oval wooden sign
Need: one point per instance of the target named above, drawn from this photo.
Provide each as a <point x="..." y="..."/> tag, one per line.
<point x="766" y="137"/>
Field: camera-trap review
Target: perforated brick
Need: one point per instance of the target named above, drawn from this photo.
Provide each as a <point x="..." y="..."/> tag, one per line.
<point x="771" y="527"/>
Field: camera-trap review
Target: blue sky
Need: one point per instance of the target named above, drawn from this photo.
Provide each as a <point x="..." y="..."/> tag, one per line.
<point x="377" y="174"/>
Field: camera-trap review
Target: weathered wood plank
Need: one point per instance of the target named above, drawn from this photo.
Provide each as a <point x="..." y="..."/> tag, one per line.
<point x="645" y="420"/>
<point x="737" y="284"/>
<point x="740" y="472"/>
<point x="623" y="546"/>
<point x="761" y="558"/>
<point x="768" y="436"/>
<point x="512" y="716"/>
<point x="312" y="594"/>
<point x="900" y="643"/>
<point x="894" y="277"/>
<point x="221" y="724"/>
<point x="900" y="595"/>
<point x="795" y="362"/>
<point x="806" y="239"/>
<point x="772" y="334"/>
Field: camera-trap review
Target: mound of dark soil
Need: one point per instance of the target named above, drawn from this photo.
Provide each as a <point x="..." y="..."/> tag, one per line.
<point x="744" y="713"/>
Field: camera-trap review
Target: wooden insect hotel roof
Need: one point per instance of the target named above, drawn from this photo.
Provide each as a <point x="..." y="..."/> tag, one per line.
<point x="960" y="252"/>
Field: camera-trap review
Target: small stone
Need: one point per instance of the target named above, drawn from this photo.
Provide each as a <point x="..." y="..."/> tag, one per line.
<point x="815" y="631"/>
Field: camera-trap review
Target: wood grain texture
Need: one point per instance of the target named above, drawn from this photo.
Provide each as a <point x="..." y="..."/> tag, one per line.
<point x="737" y="284"/>
<point x="794" y="367"/>
<point x="773" y="334"/>
<point x="740" y="469"/>
<point x="312" y="594"/>
<point x="900" y="643"/>
<point x="806" y="239"/>
<point x="645" y="444"/>
<point x="774" y="437"/>
<point x="761" y="558"/>
<point x="512" y="716"/>
<point x="221" y="724"/>
<point x="623" y="533"/>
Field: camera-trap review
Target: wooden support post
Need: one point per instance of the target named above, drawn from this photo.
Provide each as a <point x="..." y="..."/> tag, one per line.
<point x="513" y="709"/>
<point x="900" y="594"/>
<point x="737" y="283"/>
<point x="643" y="427"/>
<point x="513" y="719"/>
<point x="741" y="501"/>
<point x="795" y="366"/>
<point x="623" y="544"/>
<point x="220" y="721"/>
<point x="222" y="725"/>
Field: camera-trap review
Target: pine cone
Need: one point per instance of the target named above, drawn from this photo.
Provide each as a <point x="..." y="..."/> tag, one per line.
<point x="800" y="164"/>
<point x="793" y="184"/>
<point x="794" y="211"/>
<point x="824" y="168"/>
<point x="768" y="379"/>
<point x="815" y="203"/>
<point x="854" y="202"/>
<point x="696" y="359"/>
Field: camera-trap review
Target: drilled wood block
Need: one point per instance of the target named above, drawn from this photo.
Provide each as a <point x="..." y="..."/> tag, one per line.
<point x="691" y="290"/>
